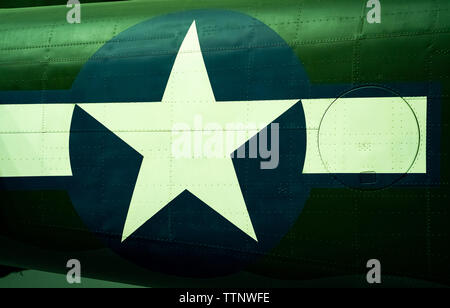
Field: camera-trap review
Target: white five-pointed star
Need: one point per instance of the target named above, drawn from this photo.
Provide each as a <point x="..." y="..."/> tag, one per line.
<point x="147" y="127"/>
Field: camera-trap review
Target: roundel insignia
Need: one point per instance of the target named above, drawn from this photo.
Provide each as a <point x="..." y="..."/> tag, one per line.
<point x="194" y="216"/>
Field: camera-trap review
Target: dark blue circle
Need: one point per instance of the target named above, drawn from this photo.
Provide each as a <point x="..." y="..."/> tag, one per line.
<point x="245" y="60"/>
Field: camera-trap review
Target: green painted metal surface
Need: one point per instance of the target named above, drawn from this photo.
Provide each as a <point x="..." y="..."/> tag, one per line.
<point x="407" y="228"/>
